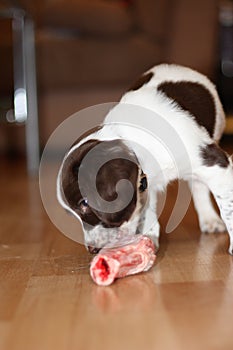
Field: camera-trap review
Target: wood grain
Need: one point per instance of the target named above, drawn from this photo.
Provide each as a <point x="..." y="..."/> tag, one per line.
<point x="48" y="300"/>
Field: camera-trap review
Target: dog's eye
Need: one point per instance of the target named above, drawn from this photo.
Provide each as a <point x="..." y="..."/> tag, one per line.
<point x="143" y="184"/>
<point x="83" y="204"/>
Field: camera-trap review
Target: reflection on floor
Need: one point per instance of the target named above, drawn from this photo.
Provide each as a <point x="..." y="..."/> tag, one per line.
<point x="48" y="300"/>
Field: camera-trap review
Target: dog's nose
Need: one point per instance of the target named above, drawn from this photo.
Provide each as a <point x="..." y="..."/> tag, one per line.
<point x="93" y="250"/>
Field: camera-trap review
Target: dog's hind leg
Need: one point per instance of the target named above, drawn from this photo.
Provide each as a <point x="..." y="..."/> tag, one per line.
<point x="217" y="174"/>
<point x="209" y="220"/>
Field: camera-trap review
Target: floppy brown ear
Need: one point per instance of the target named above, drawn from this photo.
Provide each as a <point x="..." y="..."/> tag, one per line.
<point x="119" y="163"/>
<point x="108" y="178"/>
<point x="69" y="173"/>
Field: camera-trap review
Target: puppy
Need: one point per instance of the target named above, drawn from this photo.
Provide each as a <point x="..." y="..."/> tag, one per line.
<point x="166" y="127"/>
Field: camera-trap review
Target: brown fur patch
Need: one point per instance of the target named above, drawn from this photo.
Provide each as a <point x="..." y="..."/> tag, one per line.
<point x="69" y="181"/>
<point x="145" y="78"/>
<point x="213" y="155"/>
<point x="193" y="98"/>
<point x="107" y="177"/>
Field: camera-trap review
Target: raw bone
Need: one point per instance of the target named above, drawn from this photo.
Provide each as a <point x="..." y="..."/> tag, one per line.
<point x="129" y="259"/>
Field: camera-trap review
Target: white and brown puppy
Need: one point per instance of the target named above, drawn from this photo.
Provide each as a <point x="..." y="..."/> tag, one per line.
<point x="187" y="103"/>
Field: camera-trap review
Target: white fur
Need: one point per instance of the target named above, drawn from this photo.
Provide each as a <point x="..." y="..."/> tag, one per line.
<point x="218" y="180"/>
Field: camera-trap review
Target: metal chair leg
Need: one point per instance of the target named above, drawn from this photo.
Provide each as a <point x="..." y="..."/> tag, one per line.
<point x="32" y="127"/>
<point x="25" y="89"/>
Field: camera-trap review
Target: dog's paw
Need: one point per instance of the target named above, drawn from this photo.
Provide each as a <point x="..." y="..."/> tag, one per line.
<point x="212" y="224"/>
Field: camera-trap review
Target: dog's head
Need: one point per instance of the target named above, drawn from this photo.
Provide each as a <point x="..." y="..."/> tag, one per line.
<point x="102" y="184"/>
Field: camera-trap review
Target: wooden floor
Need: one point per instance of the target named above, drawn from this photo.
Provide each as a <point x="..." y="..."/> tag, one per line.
<point x="48" y="300"/>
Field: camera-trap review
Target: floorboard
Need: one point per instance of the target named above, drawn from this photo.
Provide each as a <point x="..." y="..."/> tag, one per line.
<point x="48" y="300"/>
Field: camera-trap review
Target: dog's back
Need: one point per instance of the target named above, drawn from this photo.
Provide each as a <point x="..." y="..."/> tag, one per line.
<point x="170" y="88"/>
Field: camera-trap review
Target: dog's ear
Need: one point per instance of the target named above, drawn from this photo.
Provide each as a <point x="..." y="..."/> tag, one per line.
<point x="119" y="163"/>
<point x="69" y="173"/>
<point x="123" y="165"/>
<point x="107" y="181"/>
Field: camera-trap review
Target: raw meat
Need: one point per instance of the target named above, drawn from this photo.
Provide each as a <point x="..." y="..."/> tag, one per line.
<point x="134" y="257"/>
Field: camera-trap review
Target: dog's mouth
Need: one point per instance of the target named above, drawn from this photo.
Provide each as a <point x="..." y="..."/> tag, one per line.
<point x="116" y="244"/>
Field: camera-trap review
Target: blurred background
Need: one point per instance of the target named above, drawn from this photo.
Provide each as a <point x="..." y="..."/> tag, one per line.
<point x="64" y="55"/>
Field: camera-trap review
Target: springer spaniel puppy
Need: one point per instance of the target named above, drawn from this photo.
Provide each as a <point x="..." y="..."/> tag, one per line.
<point x="110" y="177"/>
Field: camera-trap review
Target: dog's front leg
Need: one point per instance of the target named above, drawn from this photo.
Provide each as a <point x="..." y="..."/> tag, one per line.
<point x="149" y="224"/>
